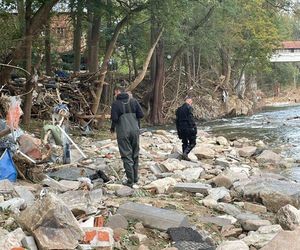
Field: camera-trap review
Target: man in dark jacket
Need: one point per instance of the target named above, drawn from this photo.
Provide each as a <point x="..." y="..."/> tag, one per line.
<point x="186" y="127"/>
<point x="125" y="115"/>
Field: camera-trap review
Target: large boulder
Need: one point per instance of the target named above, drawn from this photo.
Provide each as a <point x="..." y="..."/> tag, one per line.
<point x="52" y="224"/>
<point x="288" y="217"/>
<point x="268" y="156"/>
<point x="273" y="193"/>
<point x="284" y="240"/>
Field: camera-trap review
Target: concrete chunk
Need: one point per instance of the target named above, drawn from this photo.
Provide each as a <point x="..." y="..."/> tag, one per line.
<point x="193" y="187"/>
<point x="153" y="217"/>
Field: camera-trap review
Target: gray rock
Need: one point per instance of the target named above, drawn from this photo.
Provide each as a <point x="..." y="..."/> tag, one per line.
<point x="247" y="216"/>
<point x="222" y="181"/>
<point x="29" y="243"/>
<point x="284" y="240"/>
<point x="117" y="221"/>
<point x="288" y="217"/>
<point x="273" y="193"/>
<point x="253" y="225"/>
<point x="191" y="174"/>
<point x="25" y="194"/>
<point x="247" y="151"/>
<point x="54" y="185"/>
<point x="218" y="194"/>
<point x="268" y="156"/>
<point x="233" y="245"/>
<point x="193" y="187"/>
<point x="71" y="173"/>
<point x="228" y="209"/>
<point x="153" y="217"/>
<point x="82" y="201"/>
<point x="221" y="140"/>
<point x="222" y="162"/>
<point x="52" y="224"/>
<point x="215" y="220"/>
<point x="124" y="191"/>
<point x="204" y="152"/>
<point x="254" y="208"/>
<point x="262" y="236"/>
<point x="12" y="239"/>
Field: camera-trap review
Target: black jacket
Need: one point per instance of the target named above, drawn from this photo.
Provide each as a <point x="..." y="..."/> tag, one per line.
<point x="185" y="122"/>
<point x="118" y="109"/>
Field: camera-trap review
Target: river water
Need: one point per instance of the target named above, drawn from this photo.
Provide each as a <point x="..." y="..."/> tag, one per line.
<point x="276" y="126"/>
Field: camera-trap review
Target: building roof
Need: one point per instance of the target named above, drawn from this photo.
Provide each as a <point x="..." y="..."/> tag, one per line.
<point x="291" y="45"/>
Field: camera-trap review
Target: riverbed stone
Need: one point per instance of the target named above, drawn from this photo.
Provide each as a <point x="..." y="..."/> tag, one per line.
<point x="80" y="201"/>
<point x="191" y="174"/>
<point x="284" y="240"/>
<point x="254" y="208"/>
<point x="221" y="161"/>
<point x="25" y="194"/>
<point x="162" y="185"/>
<point x="125" y="191"/>
<point x="204" y="152"/>
<point x="172" y="165"/>
<point x="215" y="220"/>
<point x="247" y="151"/>
<point x="52" y="224"/>
<point x="268" y="156"/>
<point x="12" y="239"/>
<point x="221" y="140"/>
<point x="193" y="187"/>
<point x="117" y="221"/>
<point x="288" y="217"/>
<point x="222" y="181"/>
<point x="273" y="193"/>
<point x="262" y="236"/>
<point x="153" y="217"/>
<point x="253" y="225"/>
<point x="228" y="209"/>
<point x="233" y="245"/>
<point x="219" y="193"/>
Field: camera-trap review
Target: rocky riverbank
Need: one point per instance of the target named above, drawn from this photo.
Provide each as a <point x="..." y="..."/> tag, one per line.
<point x="224" y="198"/>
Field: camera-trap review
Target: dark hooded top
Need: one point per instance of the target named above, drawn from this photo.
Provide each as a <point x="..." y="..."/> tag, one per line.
<point x="125" y="105"/>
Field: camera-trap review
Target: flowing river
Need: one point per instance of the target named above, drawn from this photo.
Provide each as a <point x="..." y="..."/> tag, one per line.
<point x="278" y="127"/>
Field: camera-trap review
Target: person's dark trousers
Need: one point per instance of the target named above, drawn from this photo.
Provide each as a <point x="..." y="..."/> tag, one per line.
<point x="129" y="151"/>
<point x="188" y="143"/>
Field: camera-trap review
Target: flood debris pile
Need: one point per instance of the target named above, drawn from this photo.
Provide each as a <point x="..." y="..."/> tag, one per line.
<point x="223" y="199"/>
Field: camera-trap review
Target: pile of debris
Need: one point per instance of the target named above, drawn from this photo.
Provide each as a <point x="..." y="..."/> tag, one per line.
<point x="219" y="200"/>
<point x="76" y="90"/>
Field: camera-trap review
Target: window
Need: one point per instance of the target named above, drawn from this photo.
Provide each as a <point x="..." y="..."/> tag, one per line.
<point x="60" y="32"/>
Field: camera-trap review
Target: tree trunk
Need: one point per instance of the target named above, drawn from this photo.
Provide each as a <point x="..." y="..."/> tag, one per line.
<point x="77" y="22"/>
<point x="109" y="51"/>
<point x="48" y="49"/>
<point x="94" y="43"/>
<point x="156" y="117"/>
<point x="141" y="76"/>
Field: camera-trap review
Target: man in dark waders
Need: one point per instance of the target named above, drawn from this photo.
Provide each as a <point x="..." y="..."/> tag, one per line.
<point x="125" y="115"/>
<point x="186" y="127"/>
